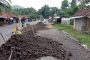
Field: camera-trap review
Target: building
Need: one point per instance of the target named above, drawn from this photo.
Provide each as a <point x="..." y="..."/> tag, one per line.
<point x="82" y="20"/>
<point x="7" y="18"/>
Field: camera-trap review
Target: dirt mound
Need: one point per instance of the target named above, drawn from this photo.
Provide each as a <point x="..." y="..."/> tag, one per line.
<point x="28" y="47"/>
<point x="40" y="23"/>
<point x="31" y="48"/>
<point x="27" y="28"/>
<point x="40" y="26"/>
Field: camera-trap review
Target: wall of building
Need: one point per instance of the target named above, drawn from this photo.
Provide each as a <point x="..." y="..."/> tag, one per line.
<point x="88" y="25"/>
<point x="80" y="24"/>
<point x="65" y="21"/>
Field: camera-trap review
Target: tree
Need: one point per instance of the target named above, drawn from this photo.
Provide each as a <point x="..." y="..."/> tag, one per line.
<point x="83" y="3"/>
<point x="24" y="11"/>
<point x="67" y="9"/>
<point x="4" y="5"/>
<point x="53" y="11"/>
<point x="73" y="3"/>
<point x="44" y="11"/>
<point x="30" y="12"/>
<point x="60" y="13"/>
<point x="64" y="8"/>
<point x="64" y="4"/>
<point x="73" y="8"/>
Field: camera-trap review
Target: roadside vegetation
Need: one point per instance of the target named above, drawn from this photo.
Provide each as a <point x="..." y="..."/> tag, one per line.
<point x="81" y="37"/>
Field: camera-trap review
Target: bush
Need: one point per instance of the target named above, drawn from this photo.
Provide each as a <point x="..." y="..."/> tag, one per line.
<point x="71" y="21"/>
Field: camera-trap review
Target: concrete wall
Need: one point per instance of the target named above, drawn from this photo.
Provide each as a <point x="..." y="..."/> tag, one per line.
<point x="88" y="25"/>
<point x="65" y="21"/>
<point x="79" y="24"/>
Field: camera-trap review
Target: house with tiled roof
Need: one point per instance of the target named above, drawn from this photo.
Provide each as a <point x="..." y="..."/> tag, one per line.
<point x="82" y="20"/>
<point x="7" y="18"/>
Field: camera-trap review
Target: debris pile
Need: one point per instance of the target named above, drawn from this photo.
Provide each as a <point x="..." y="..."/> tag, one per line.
<point x="28" y="47"/>
<point x="40" y="26"/>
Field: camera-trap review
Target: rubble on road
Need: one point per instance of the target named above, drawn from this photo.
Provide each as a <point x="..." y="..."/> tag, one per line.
<point x="28" y="47"/>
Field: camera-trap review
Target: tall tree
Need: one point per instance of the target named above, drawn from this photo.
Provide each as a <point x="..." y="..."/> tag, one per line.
<point x="65" y="4"/>
<point x="44" y="11"/>
<point x="73" y="3"/>
<point x="53" y="11"/>
<point x="64" y="8"/>
<point x="83" y="3"/>
<point x="74" y="7"/>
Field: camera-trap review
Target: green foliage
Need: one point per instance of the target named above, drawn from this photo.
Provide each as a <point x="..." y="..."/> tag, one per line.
<point x="17" y="7"/>
<point x="44" y="11"/>
<point x="1" y="8"/>
<point x="73" y="3"/>
<point x="85" y="1"/>
<point x="71" y="22"/>
<point x="67" y="9"/>
<point x="34" y="16"/>
<point x="4" y="6"/>
<point x="65" y="4"/>
<point x="31" y="12"/>
<point x="83" y="4"/>
<point x="53" y="11"/>
<point x="64" y="8"/>
<point x="47" y="11"/>
<point x="73" y="8"/>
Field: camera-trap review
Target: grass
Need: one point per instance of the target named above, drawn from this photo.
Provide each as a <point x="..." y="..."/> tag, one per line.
<point x="81" y="37"/>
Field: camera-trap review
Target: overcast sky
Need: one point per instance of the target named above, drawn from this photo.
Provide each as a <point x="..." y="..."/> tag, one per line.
<point x="37" y="4"/>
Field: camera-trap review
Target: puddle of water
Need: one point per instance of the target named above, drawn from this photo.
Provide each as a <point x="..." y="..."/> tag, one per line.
<point x="47" y="58"/>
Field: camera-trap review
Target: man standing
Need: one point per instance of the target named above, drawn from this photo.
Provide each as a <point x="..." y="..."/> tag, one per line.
<point x="23" y="21"/>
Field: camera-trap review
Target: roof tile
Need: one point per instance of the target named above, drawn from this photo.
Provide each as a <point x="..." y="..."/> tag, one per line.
<point x="83" y="12"/>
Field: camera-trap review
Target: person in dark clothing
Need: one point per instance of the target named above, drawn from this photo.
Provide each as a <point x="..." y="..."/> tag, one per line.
<point x="23" y="22"/>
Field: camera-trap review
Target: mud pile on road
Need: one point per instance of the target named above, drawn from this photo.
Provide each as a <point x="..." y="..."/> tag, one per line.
<point x="28" y="47"/>
<point x="27" y="28"/>
<point x="40" y="26"/>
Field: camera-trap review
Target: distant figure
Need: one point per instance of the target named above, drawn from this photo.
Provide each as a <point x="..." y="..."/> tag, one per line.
<point x="23" y="21"/>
